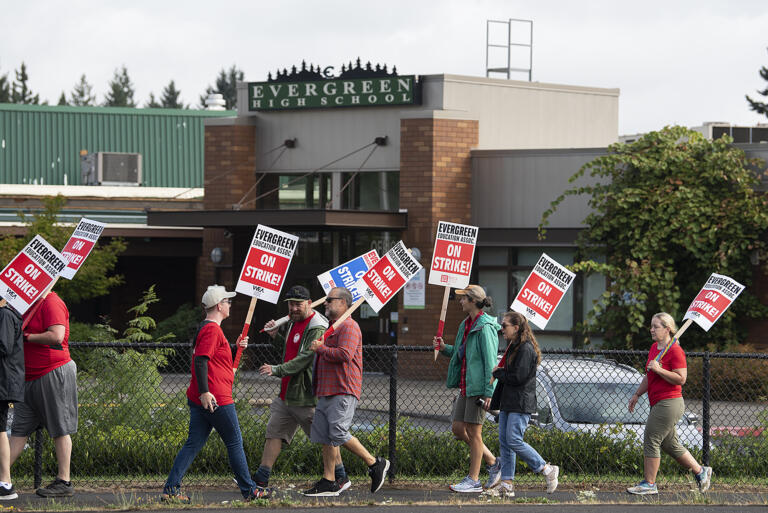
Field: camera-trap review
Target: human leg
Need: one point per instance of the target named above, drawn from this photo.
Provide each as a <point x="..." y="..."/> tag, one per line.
<point x="199" y="430"/>
<point x="63" y="448"/>
<point x="225" y="421"/>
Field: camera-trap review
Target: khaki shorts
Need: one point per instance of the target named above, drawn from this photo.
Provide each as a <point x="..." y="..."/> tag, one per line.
<point x="661" y="429"/>
<point x="284" y="420"/>
<point x="465" y="410"/>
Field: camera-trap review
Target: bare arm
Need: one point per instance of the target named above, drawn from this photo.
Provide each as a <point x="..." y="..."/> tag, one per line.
<point x="50" y="337"/>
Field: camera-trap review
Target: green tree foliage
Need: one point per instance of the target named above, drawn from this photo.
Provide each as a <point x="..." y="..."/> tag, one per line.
<point x="152" y="103"/>
<point x="667" y="211"/>
<point x="120" y="90"/>
<point x="20" y="91"/>
<point x="5" y="89"/>
<point x="95" y="276"/>
<point x="170" y="98"/>
<point x="757" y="106"/>
<point x="140" y="328"/>
<point x="226" y="85"/>
<point x="62" y="99"/>
<point x="82" y="94"/>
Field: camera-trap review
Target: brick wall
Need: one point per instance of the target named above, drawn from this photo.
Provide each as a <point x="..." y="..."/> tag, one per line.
<point x="435" y="185"/>
<point x="230" y="163"/>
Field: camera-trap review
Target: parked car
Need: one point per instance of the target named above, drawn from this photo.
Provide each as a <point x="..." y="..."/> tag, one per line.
<point x="583" y="394"/>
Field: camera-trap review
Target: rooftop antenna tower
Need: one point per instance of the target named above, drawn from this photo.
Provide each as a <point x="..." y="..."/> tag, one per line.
<point x="520" y="25"/>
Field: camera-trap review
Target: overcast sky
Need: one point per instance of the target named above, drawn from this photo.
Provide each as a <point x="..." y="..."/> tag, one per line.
<point x="675" y="62"/>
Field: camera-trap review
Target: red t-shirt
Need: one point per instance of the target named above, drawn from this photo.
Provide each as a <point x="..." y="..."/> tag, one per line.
<point x="658" y="388"/>
<point x="292" y="345"/>
<point x="40" y="359"/>
<point x="211" y="342"/>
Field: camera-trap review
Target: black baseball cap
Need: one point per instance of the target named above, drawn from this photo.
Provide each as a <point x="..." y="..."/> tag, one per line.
<point x="297" y="293"/>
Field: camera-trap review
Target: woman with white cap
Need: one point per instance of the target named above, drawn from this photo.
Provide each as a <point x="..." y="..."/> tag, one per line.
<point x="473" y="357"/>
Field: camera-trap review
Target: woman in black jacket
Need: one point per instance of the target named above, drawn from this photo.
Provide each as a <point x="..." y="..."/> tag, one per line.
<point x="515" y="397"/>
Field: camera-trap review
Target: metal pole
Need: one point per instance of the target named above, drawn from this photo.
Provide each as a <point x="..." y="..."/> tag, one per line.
<point x="705" y="410"/>
<point x="487" y="48"/>
<point x="392" y="413"/>
<point x="530" y="56"/>
<point x="509" y="49"/>
<point x="38" y="467"/>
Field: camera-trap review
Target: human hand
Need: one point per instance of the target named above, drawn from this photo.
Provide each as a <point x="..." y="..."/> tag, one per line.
<point x="208" y="401"/>
<point x="265" y="370"/>
<point x="632" y="403"/>
<point x="242" y="342"/>
<point x="270" y="328"/>
<point x="654" y="366"/>
<point x="438" y="344"/>
<point x="486" y="403"/>
<point x="316" y="344"/>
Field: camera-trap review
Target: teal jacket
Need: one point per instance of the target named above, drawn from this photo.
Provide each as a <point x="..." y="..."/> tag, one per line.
<point x="481" y="354"/>
<point x="299" y="392"/>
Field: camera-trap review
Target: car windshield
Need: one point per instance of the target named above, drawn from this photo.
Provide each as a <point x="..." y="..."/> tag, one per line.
<point x="600" y="403"/>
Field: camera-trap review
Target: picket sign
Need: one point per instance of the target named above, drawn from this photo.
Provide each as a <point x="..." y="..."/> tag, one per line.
<point x="542" y="291"/>
<point x="80" y="244"/>
<point x="347" y="274"/>
<point x="283" y="320"/>
<point x="717" y="294"/>
<point x="264" y="271"/>
<point x="452" y="259"/>
<point x="30" y="274"/>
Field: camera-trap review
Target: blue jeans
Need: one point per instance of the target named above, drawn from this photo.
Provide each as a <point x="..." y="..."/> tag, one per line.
<point x="201" y="421"/>
<point x="511" y="430"/>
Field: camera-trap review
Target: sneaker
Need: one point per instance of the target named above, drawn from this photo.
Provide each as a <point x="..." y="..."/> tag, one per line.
<point x="704" y="478"/>
<point x="494" y="474"/>
<point x="467" y="485"/>
<point x="378" y="472"/>
<point x="7" y="494"/>
<point x="259" y="492"/>
<point x="506" y="489"/>
<point x="175" y="498"/>
<point x="323" y="488"/>
<point x="344" y="484"/>
<point x="643" y="488"/>
<point x="552" y="478"/>
<point x="57" y="488"/>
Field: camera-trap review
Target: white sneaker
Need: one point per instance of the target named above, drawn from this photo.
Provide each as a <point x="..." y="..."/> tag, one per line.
<point x="552" y="478"/>
<point x="467" y="485"/>
<point x="506" y="489"/>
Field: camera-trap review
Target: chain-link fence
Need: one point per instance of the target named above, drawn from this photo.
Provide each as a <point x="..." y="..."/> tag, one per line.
<point x="134" y="418"/>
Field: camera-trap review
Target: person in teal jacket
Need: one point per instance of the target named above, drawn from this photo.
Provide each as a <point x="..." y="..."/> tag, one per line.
<point x="473" y="357"/>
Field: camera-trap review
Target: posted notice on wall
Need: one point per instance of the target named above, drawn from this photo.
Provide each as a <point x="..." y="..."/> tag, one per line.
<point x="413" y="293"/>
<point x="714" y="299"/>
<point x="347" y="274"/>
<point x="267" y="263"/>
<point x="543" y="290"/>
<point x="30" y="272"/>
<point x="80" y="244"/>
<point x="453" y="255"/>
<point x="388" y="276"/>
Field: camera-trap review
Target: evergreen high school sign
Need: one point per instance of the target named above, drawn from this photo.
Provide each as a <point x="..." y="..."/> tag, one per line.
<point x="361" y="92"/>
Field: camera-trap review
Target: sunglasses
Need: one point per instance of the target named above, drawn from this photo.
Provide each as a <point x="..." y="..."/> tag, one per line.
<point x="328" y="299"/>
<point x="505" y="324"/>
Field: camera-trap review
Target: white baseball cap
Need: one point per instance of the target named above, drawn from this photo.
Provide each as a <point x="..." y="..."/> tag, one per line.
<point x="215" y="294"/>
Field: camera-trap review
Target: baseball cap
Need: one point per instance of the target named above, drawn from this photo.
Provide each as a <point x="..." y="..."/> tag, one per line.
<point x="297" y="293"/>
<point x="215" y="294"/>
<point x="474" y="292"/>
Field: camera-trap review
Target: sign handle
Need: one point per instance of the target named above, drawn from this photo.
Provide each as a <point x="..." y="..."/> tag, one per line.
<point x="283" y="320"/>
<point x="343" y="317"/>
<point x="244" y="334"/>
<point x="676" y="338"/>
<point x="441" y="323"/>
<point x="31" y="313"/>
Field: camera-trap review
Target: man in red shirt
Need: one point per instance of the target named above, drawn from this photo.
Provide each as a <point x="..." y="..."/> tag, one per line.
<point x="338" y="380"/>
<point x="50" y="389"/>
<point x="295" y="406"/>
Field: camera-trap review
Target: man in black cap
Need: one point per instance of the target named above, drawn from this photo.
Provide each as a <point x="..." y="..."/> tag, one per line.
<point x="295" y="406"/>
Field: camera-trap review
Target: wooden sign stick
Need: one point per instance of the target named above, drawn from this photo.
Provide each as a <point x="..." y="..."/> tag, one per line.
<point x="343" y="317"/>
<point x="441" y="323"/>
<point x="676" y="338"/>
<point x="283" y="320"/>
<point x="244" y="334"/>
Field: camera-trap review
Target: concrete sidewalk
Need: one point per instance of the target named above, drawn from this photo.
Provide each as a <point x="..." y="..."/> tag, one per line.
<point x="359" y="494"/>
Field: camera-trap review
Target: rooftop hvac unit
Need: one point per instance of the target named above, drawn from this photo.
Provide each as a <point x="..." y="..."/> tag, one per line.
<point x="106" y="168"/>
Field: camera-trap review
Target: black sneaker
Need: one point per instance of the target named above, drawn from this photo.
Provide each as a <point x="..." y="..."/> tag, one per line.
<point x="344" y="484"/>
<point x="259" y="492"/>
<point x="58" y="488"/>
<point x="7" y="494"/>
<point x="378" y="472"/>
<point x="323" y="488"/>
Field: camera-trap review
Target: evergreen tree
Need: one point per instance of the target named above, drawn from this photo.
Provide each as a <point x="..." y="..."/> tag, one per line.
<point x="226" y="85"/>
<point x="5" y="89"/>
<point x="62" y="99"/>
<point x="20" y="92"/>
<point x="120" y="90"/>
<point x="152" y="103"/>
<point x="82" y="94"/>
<point x="170" y="98"/>
<point x="760" y="107"/>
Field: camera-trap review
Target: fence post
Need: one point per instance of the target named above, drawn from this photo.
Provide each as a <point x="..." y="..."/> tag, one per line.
<point x="392" y="413"/>
<point x="705" y="409"/>
<point x="38" y="467"/>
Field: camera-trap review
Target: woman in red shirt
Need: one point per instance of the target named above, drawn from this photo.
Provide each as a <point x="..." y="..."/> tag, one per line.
<point x="666" y="373"/>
